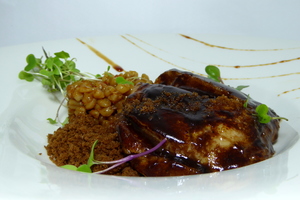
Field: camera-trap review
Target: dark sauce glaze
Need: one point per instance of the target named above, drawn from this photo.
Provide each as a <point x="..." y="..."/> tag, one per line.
<point x="188" y="110"/>
<point x="102" y="56"/>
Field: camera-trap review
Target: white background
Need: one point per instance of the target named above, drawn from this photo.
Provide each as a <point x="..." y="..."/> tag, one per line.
<point x="27" y="21"/>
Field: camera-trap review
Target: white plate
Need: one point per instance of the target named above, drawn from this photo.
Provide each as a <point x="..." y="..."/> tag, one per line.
<point x="25" y="106"/>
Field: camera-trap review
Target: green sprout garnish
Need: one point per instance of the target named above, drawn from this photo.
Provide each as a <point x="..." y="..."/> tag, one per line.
<point x="246" y="102"/>
<point x="52" y="121"/>
<point x="85" y="167"/>
<point x="55" y="73"/>
<point x="107" y="72"/>
<point x="122" y="80"/>
<point x="55" y="121"/>
<point x="91" y="161"/>
<point x="213" y="73"/>
<point x="262" y="113"/>
<point x="240" y="87"/>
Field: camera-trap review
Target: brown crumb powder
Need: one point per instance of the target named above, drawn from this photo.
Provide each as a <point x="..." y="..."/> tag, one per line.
<point x="72" y="144"/>
<point x="185" y="102"/>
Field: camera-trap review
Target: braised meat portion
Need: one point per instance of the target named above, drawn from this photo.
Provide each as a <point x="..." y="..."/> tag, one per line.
<point x="206" y="86"/>
<point x="207" y="127"/>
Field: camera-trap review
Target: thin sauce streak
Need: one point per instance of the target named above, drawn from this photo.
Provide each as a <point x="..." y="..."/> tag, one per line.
<point x="147" y="43"/>
<point x="101" y="55"/>
<point x="285" y="92"/>
<point x="155" y="56"/>
<point x="281" y="75"/>
<point x="263" y="77"/>
<point x="182" y="57"/>
<point x="229" y="48"/>
<point x="231" y="66"/>
<point x="260" y="65"/>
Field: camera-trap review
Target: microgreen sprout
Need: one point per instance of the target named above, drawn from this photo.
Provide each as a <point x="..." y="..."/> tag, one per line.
<point x="107" y="72"/>
<point x="122" y="80"/>
<point x="55" y="73"/>
<point x="240" y="87"/>
<point x="91" y="161"/>
<point x="52" y="121"/>
<point x="85" y="167"/>
<point x="262" y="114"/>
<point x="246" y="102"/>
<point x="213" y="73"/>
<point x="56" y="120"/>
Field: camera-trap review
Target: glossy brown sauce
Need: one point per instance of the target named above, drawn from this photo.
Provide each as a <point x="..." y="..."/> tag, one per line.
<point x="189" y="112"/>
<point x="230" y="48"/>
<point x="102" y="56"/>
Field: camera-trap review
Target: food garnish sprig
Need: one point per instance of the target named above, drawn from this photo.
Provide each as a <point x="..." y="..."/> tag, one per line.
<point x="214" y="73"/>
<point x="261" y="110"/>
<point x="262" y="114"/>
<point x="91" y="161"/>
<point x="55" y="72"/>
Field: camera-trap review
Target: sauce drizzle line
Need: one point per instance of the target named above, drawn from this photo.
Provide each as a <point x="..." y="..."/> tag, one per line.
<point x="142" y="41"/>
<point x="159" y="57"/>
<point x="285" y="92"/>
<point x="119" y="69"/>
<point x="101" y="55"/>
<point x="260" y="65"/>
<point x="264" y="77"/>
<point x="218" y="65"/>
<point x="230" y="48"/>
<point x="281" y="75"/>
